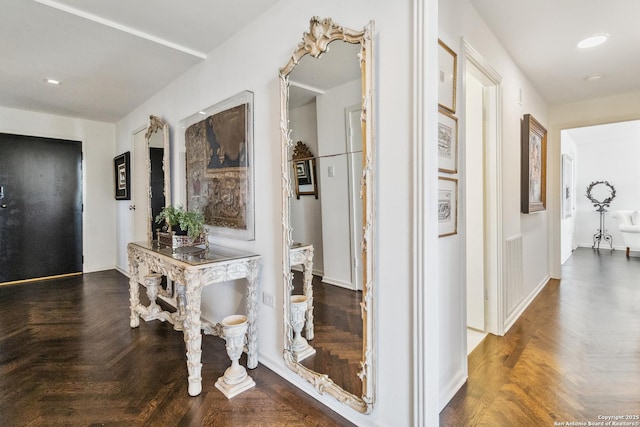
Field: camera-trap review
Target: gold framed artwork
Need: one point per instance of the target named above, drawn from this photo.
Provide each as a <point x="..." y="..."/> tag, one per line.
<point x="304" y="168"/>
<point x="447" y="142"/>
<point x="533" y="191"/>
<point x="447" y="206"/>
<point x="219" y="164"/>
<point x="447" y="77"/>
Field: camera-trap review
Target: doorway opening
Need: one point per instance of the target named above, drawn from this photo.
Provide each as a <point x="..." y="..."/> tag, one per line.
<point x="482" y="198"/>
<point x="591" y="154"/>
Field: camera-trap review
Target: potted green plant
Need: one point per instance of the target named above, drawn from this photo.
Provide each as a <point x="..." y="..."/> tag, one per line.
<point x="181" y="221"/>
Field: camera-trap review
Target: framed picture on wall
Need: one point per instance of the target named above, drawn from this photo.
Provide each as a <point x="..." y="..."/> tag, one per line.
<point x="304" y="165"/>
<point x="447" y="206"/>
<point x="447" y="77"/>
<point x="447" y="142"/>
<point x="219" y="165"/>
<point x="122" y="174"/>
<point x="533" y="191"/>
<point x="567" y="186"/>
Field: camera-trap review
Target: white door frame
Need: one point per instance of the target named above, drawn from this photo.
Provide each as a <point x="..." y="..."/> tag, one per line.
<point x="494" y="270"/>
<point x="139" y="203"/>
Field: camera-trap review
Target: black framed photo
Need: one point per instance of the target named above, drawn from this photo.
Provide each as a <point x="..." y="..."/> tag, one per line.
<point x="122" y="173"/>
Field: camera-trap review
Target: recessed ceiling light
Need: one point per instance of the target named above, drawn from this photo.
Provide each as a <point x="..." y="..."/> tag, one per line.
<point x="53" y="82"/>
<point x="201" y="112"/>
<point x="593" y="77"/>
<point x="594" y="40"/>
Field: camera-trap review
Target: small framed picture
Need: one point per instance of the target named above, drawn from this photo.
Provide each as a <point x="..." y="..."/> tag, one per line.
<point x="447" y="206"/>
<point x="304" y="167"/>
<point x="447" y="77"/>
<point x="447" y="142"/>
<point x="122" y="173"/>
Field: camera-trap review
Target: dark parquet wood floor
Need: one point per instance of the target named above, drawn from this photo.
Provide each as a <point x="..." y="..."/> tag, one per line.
<point x="337" y="333"/>
<point x="69" y="358"/>
<point x="573" y="357"/>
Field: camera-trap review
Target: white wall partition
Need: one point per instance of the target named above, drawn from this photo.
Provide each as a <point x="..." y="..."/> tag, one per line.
<point x="250" y="60"/>
<point x="457" y="18"/>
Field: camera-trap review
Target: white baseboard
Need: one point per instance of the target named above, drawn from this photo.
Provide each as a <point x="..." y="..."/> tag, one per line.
<point x="337" y="282"/>
<point x="520" y="308"/>
<point x="97" y="269"/>
<point x="125" y="272"/>
<point x="450" y="390"/>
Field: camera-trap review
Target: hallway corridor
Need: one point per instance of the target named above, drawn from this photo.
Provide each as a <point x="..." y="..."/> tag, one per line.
<point x="573" y="356"/>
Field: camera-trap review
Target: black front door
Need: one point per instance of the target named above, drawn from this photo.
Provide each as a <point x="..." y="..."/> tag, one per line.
<point x="40" y="207"/>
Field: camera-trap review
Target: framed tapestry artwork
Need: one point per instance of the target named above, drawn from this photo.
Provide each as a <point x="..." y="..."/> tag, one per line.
<point x="122" y="174"/>
<point x="447" y="77"/>
<point x="567" y="186"/>
<point x="219" y="163"/>
<point x="447" y="142"/>
<point x="447" y="206"/>
<point x="533" y="191"/>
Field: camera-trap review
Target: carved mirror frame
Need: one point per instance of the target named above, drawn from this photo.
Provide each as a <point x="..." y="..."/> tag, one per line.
<point x="156" y="124"/>
<point x="315" y="42"/>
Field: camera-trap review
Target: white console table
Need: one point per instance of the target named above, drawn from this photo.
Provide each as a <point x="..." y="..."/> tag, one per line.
<point x="302" y="254"/>
<point x="192" y="269"/>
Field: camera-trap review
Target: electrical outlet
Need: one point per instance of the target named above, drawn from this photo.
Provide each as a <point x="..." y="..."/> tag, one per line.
<point x="268" y="299"/>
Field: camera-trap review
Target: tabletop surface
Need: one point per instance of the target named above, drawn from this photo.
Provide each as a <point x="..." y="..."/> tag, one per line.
<point x="197" y="255"/>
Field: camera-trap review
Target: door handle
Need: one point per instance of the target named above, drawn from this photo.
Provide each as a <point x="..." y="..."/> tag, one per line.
<point x="132" y="207"/>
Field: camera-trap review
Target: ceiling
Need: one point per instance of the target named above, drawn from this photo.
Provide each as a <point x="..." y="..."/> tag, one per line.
<point x="111" y="56"/>
<point x="314" y="76"/>
<point x="541" y="36"/>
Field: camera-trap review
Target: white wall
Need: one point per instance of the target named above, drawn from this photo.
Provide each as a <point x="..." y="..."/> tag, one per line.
<point x="98" y="148"/>
<point x="306" y="214"/>
<point x="568" y="225"/>
<point x="269" y="42"/>
<point x="458" y="19"/>
<point x="332" y="148"/>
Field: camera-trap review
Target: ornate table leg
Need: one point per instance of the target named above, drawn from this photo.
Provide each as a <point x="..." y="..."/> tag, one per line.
<point x="308" y="291"/>
<point x="179" y="315"/>
<point x="134" y="297"/>
<point x="253" y="268"/>
<point x="192" y="334"/>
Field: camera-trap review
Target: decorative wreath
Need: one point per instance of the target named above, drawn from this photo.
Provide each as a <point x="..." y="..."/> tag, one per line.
<point x="606" y="201"/>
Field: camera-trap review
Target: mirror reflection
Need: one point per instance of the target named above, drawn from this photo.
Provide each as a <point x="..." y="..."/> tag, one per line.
<point x="324" y="115"/>
<point x="327" y="207"/>
<point x="157" y="137"/>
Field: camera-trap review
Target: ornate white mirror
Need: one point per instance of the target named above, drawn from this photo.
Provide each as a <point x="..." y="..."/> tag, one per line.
<point x="158" y="171"/>
<point x="328" y="240"/>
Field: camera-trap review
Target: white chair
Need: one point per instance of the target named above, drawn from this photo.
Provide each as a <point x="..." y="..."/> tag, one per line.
<point x="629" y="226"/>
